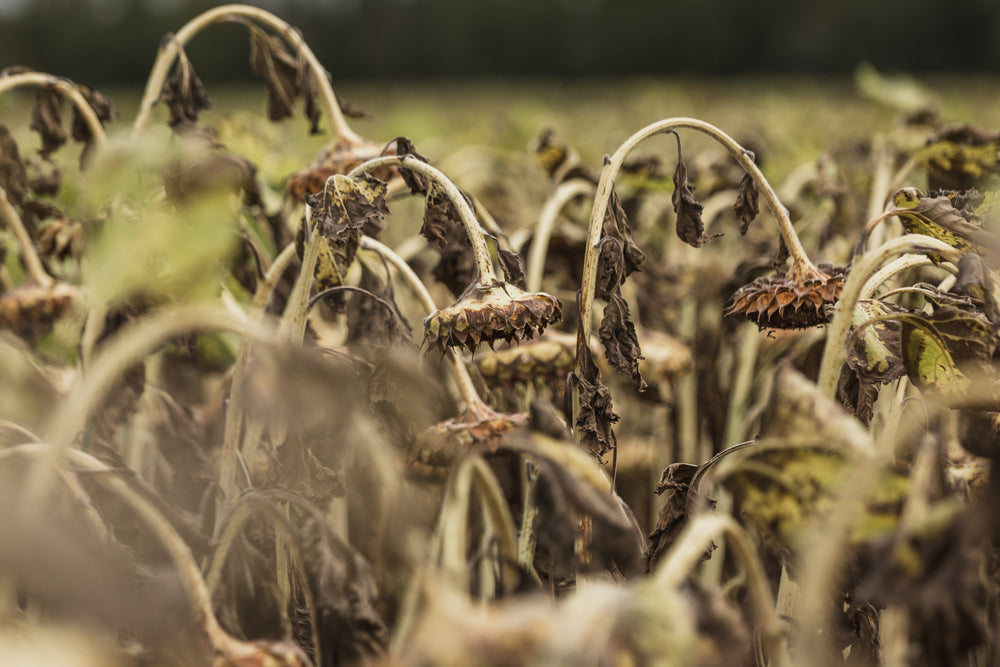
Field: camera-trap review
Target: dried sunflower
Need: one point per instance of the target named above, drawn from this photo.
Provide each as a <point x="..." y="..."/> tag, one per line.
<point x="790" y="300"/>
<point x="30" y="309"/>
<point x="434" y="449"/>
<point x="489" y="313"/>
<point x="339" y="158"/>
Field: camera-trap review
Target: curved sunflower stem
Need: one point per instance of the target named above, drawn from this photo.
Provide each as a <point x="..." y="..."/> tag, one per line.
<point x="32" y="262"/>
<point x="563" y="194"/>
<point x="801" y="264"/>
<point x="484" y="262"/>
<point x="835" y="349"/>
<point x="171" y="48"/>
<point x="228" y="464"/>
<point x="125" y="348"/>
<point x="65" y="88"/>
<point x="460" y="374"/>
<point x="145" y="509"/>
<point x="689" y="550"/>
<point x="896" y="266"/>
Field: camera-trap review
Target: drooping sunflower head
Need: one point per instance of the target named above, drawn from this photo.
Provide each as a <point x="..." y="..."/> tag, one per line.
<point x="433" y="450"/>
<point x="491" y="313"/>
<point x="789" y="301"/>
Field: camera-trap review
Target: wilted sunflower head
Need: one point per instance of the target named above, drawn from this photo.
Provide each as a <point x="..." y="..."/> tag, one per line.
<point x="548" y="358"/>
<point x="489" y="313"/>
<point x="30" y="310"/>
<point x="789" y="300"/>
<point x="338" y="158"/>
<point x="434" y="449"/>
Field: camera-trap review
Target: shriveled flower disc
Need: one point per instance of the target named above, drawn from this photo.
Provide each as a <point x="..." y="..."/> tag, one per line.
<point x="434" y="450"/>
<point x="30" y="309"/>
<point x="548" y="358"/>
<point x="490" y="313"/>
<point x="783" y="302"/>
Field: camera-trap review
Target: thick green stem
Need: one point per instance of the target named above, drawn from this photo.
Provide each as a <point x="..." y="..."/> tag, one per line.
<point x="801" y="262"/>
<point x="484" y="263"/>
<point x="563" y="194"/>
<point x="32" y="261"/>
<point x="64" y="87"/>
<point x="835" y="350"/>
<point x="171" y="48"/>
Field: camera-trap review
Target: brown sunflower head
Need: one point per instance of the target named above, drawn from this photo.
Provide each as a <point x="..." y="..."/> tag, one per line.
<point x="30" y="310"/>
<point x="547" y="359"/>
<point x="480" y="428"/>
<point x="490" y="313"/>
<point x="338" y="158"/>
<point x="789" y="300"/>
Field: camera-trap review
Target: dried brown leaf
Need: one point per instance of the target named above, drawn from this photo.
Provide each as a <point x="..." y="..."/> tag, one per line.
<point x="46" y="119"/>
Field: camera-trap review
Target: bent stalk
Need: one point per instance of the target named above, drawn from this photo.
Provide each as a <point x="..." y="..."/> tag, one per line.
<point x="171" y="48"/>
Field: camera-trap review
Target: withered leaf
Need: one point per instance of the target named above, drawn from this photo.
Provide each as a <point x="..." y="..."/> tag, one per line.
<point x="46" y="119"/>
<point x="417" y="183"/>
<point x="342" y="212"/>
<point x="513" y="267"/>
<point x="183" y="93"/>
<point x="675" y="482"/>
<point x="279" y="69"/>
<point x="874" y="353"/>
<point x="616" y="226"/>
<point x="349" y="206"/>
<point x="376" y="321"/>
<point x="939" y="350"/>
<point x="597" y="414"/>
<point x="690" y="227"/>
<point x="747" y="206"/>
<point x="621" y="345"/>
<point x="102" y="107"/>
<point x="310" y="105"/>
<point x="959" y="157"/>
<point x="13" y="176"/>
<point x="937" y="217"/>
<point x="346" y="597"/>
<point x="976" y="280"/>
<point x="442" y="226"/>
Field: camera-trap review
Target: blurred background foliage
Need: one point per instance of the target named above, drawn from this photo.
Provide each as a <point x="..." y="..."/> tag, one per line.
<point x="102" y="42"/>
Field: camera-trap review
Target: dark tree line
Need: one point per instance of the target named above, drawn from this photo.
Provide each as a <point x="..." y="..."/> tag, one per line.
<point x="105" y="41"/>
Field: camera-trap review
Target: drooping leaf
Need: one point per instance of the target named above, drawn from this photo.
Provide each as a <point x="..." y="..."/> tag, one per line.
<point x="46" y="119"/>
<point x="929" y="363"/>
<point x="874" y="353"/>
<point x="13" y="176"/>
<point x="342" y="212"/>
<point x="976" y="280"/>
<point x="616" y="226"/>
<point x="937" y="217"/>
<point x="960" y="157"/>
<point x="417" y="182"/>
<point x="102" y="107"/>
<point x="346" y="597"/>
<point x="183" y="93"/>
<point x="279" y="69"/>
<point x="747" y="206"/>
<point x="784" y="486"/>
<point x="597" y="416"/>
<point x="375" y="321"/>
<point x="690" y="227"/>
<point x="675" y="483"/>
<point x="513" y="267"/>
<point x="621" y="345"/>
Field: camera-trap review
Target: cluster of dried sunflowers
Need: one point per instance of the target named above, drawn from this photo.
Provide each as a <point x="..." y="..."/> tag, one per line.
<point x="220" y="441"/>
